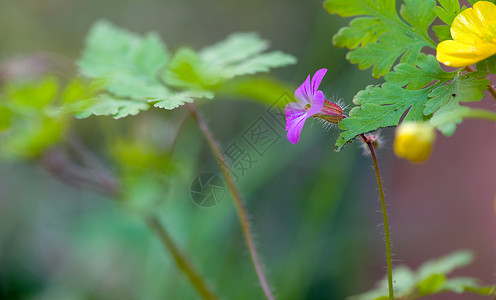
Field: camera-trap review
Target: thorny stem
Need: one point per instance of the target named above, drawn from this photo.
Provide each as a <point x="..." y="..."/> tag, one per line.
<point x="384" y="216"/>
<point x="63" y="169"/>
<point x="491" y="89"/>
<point x="181" y="261"/>
<point x="238" y="202"/>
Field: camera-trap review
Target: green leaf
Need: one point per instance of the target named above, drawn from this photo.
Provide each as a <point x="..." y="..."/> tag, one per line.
<point x="32" y="94"/>
<point x="427" y="71"/>
<point x="429" y="279"/>
<point x="5" y="118"/>
<point x="489" y="64"/>
<point x="448" y="10"/>
<point x="180" y="98"/>
<point x="107" y="105"/>
<point x="240" y="54"/>
<point x="432" y="284"/>
<point x="188" y="70"/>
<point x="382" y="37"/>
<point x="464" y="88"/>
<point x="475" y="1"/>
<point x="132" y="68"/>
<point x="442" y="32"/>
<point x="445" y="264"/>
<point x="404" y="284"/>
<point x="381" y="107"/>
<point x="236" y="48"/>
<point x="127" y="63"/>
<point x="440" y="94"/>
<point x="30" y="117"/>
<point x="445" y="99"/>
<point x="265" y="89"/>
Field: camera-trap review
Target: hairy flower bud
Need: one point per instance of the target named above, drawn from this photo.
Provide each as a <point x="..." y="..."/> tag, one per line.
<point x="331" y="112"/>
<point x="414" y="141"/>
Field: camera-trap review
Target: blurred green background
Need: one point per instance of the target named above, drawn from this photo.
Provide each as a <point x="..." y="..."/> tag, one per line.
<point x="314" y="211"/>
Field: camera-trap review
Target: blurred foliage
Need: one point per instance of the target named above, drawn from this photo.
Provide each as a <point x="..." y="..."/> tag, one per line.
<point x="315" y="229"/>
<point x="134" y="69"/>
<point x="31" y="121"/>
<point x="429" y="279"/>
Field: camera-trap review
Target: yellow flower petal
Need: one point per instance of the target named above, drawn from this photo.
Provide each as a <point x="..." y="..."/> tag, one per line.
<point x="460" y="54"/>
<point x="474" y="36"/>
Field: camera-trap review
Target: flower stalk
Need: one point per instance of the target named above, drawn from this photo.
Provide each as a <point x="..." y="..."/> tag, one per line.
<point x="384" y="216"/>
<point x="238" y="202"/>
<point x="59" y="165"/>
<point x="181" y="261"/>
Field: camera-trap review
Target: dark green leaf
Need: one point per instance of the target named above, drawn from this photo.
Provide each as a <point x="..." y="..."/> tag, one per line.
<point x="448" y="10"/>
<point x="381" y="107"/>
<point x="382" y="37"/>
<point x="427" y="71"/>
<point x="442" y="32"/>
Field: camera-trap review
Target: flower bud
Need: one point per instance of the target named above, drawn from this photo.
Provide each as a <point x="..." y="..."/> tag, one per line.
<point x="331" y="112"/>
<point x="414" y="141"/>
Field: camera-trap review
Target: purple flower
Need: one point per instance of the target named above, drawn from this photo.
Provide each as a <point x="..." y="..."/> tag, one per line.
<point x="310" y="102"/>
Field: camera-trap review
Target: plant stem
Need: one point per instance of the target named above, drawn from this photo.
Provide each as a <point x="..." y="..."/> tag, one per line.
<point x="238" y="202"/>
<point x="384" y="216"/>
<point x="491" y="89"/>
<point x="181" y="262"/>
<point x="57" y="163"/>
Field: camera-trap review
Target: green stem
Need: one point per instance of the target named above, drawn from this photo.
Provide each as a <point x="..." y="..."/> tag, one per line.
<point x="182" y="263"/>
<point x="384" y="216"/>
<point x="66" y="171"/>
<point x="238" y="202"/>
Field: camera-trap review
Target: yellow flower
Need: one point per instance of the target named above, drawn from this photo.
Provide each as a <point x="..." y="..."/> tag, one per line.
<point x="414" y="141"/>
<point x="474" y="36"/>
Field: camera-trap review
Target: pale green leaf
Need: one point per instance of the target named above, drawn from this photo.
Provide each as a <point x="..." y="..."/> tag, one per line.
<point x="432" y="284"/>
<point x="127" y="63"/>
<point x="108" y="105"/>
<point x="180" y="98"/>
<point x="445" y="264"/>
<point x="240" y="54"/>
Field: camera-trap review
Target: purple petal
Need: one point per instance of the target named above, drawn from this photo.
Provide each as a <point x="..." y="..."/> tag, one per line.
<point x="293" y="111"/>
<point x="317" y="104"/>
<point x="295" y="130"/>
<point x="317" y="79"/>
<point x="304" y="92"/>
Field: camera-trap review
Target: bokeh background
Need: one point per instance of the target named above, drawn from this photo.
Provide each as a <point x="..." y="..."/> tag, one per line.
<point x="315" y="212"/>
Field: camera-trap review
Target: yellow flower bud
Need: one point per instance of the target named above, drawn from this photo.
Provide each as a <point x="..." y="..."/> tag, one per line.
<point x="414" y="141"/>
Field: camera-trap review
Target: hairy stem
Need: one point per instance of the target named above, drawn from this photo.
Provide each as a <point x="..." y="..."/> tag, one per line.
<point x="182" y="263"/>
<point x="58" y="163"/>
<point x="238" y="202"/>
<point x="384" y="216"/>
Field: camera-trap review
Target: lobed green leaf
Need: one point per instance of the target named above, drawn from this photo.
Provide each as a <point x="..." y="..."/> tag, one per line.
<point x="429" y="279"/>
<point x="136" y="71"/>
<point x="382" y="37"/>
<point x="430" y="92"/>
